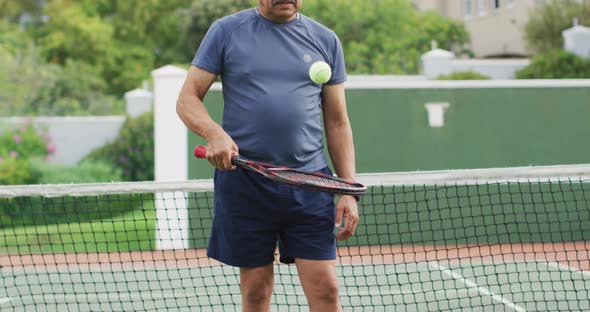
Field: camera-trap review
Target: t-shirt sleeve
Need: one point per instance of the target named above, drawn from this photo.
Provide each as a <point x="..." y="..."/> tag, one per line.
<point x="209" y="55"/>
<point x="338" y="65"/>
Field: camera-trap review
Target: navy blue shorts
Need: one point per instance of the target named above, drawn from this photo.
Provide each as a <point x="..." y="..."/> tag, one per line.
<point x="253" y="213"/>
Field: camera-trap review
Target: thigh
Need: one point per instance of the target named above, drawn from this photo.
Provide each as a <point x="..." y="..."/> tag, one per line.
<point x="245" y="229"/>
<point x="307" y="230"/>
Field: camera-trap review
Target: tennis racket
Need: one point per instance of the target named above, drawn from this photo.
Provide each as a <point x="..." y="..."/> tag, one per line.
<point x="309" y="180"/>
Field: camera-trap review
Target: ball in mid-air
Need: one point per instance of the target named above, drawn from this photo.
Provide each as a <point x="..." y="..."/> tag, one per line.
<point x="320" y="72"/>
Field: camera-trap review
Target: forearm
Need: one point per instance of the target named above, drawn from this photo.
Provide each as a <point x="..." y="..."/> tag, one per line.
<point x="195" y="116"/>
<point x="341" y="149"/>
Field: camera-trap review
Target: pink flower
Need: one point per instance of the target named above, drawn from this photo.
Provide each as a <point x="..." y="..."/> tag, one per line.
<point x="26" y="123"/>
<point x="16" y="138"/>
<point x="13" y="154"/>
<point x="51" y="148"/>
<point x="1" y="159"/>
<point x="47" y="158"/>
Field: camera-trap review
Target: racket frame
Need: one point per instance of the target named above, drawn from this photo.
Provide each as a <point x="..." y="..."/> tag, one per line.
<point x="273" y="172"/>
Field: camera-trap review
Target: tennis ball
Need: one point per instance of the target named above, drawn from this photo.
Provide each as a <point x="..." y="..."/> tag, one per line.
<point x="320" y="72"/>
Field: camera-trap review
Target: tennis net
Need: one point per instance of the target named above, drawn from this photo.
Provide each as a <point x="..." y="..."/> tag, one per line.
<point x="511" y="239"/>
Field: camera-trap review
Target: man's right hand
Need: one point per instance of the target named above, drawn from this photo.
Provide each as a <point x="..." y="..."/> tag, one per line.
<point x="220" y="149"/>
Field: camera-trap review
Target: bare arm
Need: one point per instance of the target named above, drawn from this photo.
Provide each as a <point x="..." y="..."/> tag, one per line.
<point x="194" y="114"/>
<point x="338" y="131"/>
<point x="341" y="149"/>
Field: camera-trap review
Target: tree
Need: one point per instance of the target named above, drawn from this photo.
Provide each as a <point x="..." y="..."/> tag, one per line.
<point x="543" y="31"/>
<point x="386" y="36"/>
<point x="155" y="26"/>
<point x="197" y="19"/>
<point x="71" y="33"/>
<point x="10" y="9"/>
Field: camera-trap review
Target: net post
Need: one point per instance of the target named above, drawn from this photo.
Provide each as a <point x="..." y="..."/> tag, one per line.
<point x="170" y="159"/>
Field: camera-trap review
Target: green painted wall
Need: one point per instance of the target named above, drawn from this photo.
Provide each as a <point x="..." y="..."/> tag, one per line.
<point x="491" y="127"/>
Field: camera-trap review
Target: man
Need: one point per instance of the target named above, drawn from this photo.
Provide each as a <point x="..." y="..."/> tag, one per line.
<point x="272" y="113"/>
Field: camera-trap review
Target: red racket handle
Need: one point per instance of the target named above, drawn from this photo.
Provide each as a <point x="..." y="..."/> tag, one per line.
<point x="200" y="151"/>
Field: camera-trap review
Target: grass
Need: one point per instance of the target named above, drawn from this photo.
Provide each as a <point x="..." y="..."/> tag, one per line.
<point x="131" y="231"/>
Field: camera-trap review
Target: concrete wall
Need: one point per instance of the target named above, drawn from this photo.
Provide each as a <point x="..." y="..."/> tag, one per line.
<point x="74" y="137"/>
<point x="495" y="69"/>
<point x="440" y="62"/>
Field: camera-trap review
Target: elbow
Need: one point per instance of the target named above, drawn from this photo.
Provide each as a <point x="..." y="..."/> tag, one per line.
<point x="338" y="124"/>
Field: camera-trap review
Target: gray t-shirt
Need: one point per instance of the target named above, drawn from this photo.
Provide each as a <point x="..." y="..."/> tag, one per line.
<point x="272" y="109"/>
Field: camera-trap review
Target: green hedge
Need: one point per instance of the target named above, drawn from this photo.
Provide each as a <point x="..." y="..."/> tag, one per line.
<point x="466" y="75"/>
<point x="132" y="150"/>
<point x="557" y="64"/>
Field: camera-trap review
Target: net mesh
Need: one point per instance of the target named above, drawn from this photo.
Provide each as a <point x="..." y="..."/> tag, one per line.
<point x="494" y="240"/>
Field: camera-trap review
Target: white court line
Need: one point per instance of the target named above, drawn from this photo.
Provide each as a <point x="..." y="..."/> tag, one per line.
<point x="472" y="284"/>
<point x="563" y="267"/>
<point x="5" y="300"/>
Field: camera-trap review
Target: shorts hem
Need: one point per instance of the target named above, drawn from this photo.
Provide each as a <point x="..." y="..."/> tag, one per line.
<point x="238" y="263"/>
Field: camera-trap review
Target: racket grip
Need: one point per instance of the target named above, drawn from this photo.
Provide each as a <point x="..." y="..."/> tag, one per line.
<point x="200" y="151"/>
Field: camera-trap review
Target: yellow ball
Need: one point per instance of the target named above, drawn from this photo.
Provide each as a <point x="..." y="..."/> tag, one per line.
<point x="320" y="72"/>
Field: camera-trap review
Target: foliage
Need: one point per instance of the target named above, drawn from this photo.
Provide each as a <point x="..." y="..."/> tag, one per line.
<point x="78" y="57"/>
<point x="156" y="26"/>
<point x="556" y="64"/>
<point x="24" y="74"/>
<point x="71" y="33"/>
<point x="132" y="150"/>
<point x="29" y="86"/>
<point x="12" y="38"/>
<point x="25" y="142"/>
<point x="15" y="171"/>
<point x="543" y="31"/>
<point x="466" y="75"/>
<point x="85" y="172"/>
<point x="11" y="9"/>
<point x="17" y="146"/>
<point x="384" y="37"/>
<point x="199" y="17"/>
<point x="76" y="89"/>
<point x="127" y="67"/>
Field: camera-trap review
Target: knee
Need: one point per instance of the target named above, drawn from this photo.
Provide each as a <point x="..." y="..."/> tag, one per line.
<point x="326" y="291"/>
<point x="257" y="294"/>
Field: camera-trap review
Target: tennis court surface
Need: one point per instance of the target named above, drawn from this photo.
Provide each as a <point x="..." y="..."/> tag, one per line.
<point x="513" y="239"/>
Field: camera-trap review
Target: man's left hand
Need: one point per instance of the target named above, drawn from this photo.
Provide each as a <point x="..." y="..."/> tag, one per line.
<point x="346" y="208"/>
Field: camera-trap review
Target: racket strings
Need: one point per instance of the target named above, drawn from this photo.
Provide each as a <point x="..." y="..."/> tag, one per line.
<point x="301" y="177"/>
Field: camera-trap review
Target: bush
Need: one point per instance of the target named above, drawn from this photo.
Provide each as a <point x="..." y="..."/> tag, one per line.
<point x="15" y="171"/>
<point x="132" y="150"/>
<point x="17" y="146"/>
<point x="25" y="142"/>
<point x="557" y="64"/>
<point x="466" y="75"/>
<point x="85" y="172"/>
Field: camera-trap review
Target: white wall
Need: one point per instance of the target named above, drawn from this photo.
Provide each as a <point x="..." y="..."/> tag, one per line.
<point x="495" y="69"/>
<point x="73" y="137"/>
